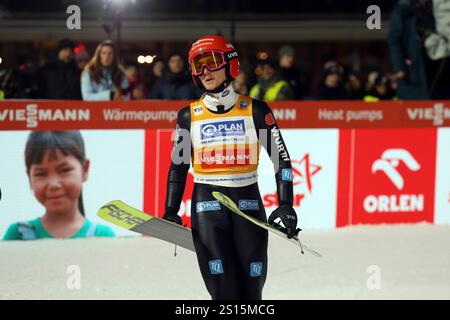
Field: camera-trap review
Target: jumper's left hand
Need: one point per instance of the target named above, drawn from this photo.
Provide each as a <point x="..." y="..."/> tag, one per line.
<point x="288" y="216"/>
<point x="175" y="218"/>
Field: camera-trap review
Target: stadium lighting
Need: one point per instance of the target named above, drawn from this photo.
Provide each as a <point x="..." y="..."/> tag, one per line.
<point x="141" y="59"/>
<point x="118" y="7"/>
<point x="146" y="59"/>
<point x="262" y="55"/>
<point x="119" y="2"/>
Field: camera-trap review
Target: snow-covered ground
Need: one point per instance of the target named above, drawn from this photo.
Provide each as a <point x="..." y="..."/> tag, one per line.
<point x="362" y="262"/>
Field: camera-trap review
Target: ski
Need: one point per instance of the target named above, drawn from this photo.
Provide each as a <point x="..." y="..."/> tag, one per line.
<point x="230" y="204"/>
<point x="119" y="213"/>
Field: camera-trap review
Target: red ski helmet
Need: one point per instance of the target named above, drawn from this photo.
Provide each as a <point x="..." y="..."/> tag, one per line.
<point x="214" y="44"/>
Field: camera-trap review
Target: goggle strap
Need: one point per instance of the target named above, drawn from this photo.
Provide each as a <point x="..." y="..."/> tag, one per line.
<point x="231" y="55"/>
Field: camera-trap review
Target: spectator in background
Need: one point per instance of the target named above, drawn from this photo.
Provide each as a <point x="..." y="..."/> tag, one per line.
<point x="392" y="81"/>
<point x="82" y="57"/>
<point x="175" y="83"/>
<point x="3" y="73"/>
<point x="354" y="86"/>
<point x="137" y="90"/>
<point x="405" y="49"/>
<point x="20" y="82"/>
<point x="371" y="77"/>
<point x="103" y="77"/>
<point x="157" y="68"/>
<point x="331" y="86"/>
<point x="381" y="90"/>
<point x="60" y="78"/>
<point x="240" y="83"/>
<point x="57" y="167"/>
<point x="3" y="80"/>
<point x="270" y="86"/>
<point x="434" y="26"/>
<point x="288" y="71"/>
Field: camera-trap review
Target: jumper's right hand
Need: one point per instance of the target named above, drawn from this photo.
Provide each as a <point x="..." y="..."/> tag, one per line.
<point x="172" y="218"/>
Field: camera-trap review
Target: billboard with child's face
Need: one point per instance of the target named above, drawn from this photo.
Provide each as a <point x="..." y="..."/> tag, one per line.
<point x="115" y="172"/>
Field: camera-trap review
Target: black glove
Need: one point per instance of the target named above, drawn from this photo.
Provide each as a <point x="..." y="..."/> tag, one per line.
<point x="288" y="217"/>
<point x="175" y="218"/>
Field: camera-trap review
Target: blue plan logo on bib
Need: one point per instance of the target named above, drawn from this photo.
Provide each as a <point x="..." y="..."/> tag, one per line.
<point x="222" y="129"/>
<point x="256" y="269"/>
<point x="208" y="206"/>
<point x="215" y="267"/>
<point x="248" y="205"/>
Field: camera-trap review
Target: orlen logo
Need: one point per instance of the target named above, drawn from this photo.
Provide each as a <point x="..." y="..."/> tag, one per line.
<point x="221" y="129"/>
<point x="387" y="176"/>
<point x="31" y="114"/>
<point x="388" y="165"/>
<point x="389" y="161"/>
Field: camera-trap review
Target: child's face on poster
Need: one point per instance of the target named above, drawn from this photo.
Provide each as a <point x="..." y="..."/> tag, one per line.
<point x="57" y="183"/>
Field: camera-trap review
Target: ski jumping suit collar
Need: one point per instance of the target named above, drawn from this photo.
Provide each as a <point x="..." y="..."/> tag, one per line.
<point x="227" y="98"/>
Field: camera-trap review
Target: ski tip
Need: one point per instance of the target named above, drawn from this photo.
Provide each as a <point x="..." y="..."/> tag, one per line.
<point x="119" y="213"/>
<point x="220" y="197"/>
<point x="226" y="201"/>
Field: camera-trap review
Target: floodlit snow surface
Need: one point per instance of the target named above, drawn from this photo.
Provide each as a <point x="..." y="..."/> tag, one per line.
<point x="361" y="262"/>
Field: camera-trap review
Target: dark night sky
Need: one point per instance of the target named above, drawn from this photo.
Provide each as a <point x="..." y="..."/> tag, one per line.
<point x="320" y="7"/>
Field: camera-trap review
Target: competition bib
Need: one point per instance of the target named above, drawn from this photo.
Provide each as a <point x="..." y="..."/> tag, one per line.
<point x="225" y="146"/>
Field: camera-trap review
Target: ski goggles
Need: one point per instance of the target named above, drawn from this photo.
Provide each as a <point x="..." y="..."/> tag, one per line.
<point x="213" y="60"/>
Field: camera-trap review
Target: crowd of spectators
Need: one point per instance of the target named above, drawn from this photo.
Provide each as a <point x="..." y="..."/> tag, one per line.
<point x="419" y="50"/>
<point x="73" y="74"/>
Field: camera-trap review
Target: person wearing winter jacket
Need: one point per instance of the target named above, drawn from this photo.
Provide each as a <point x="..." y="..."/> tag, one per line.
<point x="103" y="77"/>
<point x="175" y="83"/>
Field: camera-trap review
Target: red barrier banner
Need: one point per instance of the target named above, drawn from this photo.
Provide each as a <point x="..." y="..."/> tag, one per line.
<point x="386" y="176"/>
<point x="70" y="115"/>
<point x="359" y="114"/>
<point x="146" y="114"/>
